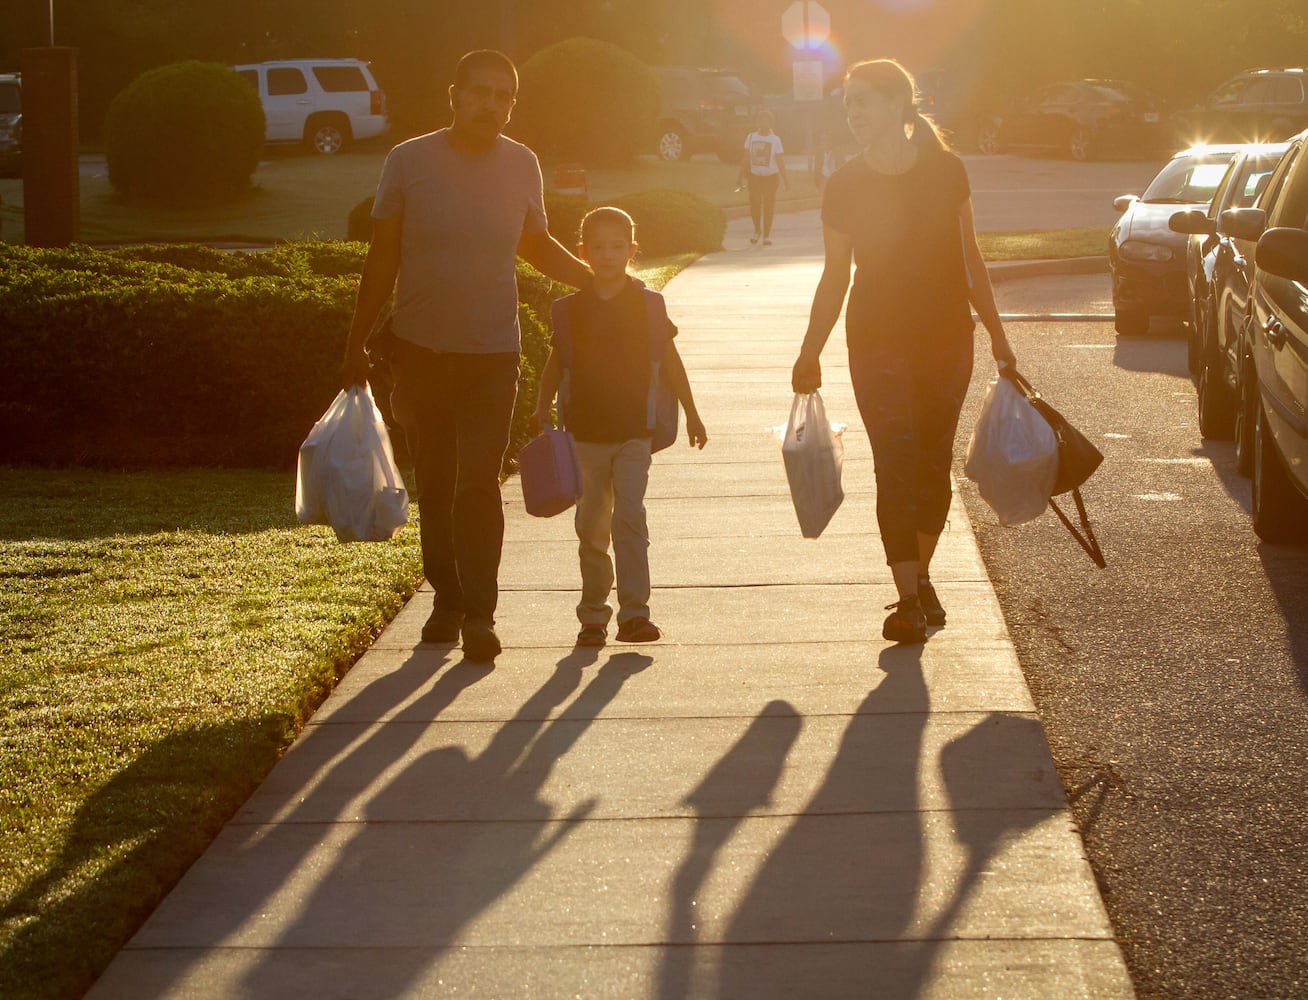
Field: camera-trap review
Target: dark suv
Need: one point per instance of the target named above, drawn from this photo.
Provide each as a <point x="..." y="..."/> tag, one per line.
<point x="1258" y="105"/>
<point x="1276" y="341"/>
<point x="11" y="125"/>
<point x="702" y="111"/>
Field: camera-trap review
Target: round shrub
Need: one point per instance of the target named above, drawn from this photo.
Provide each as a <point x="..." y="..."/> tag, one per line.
<point x="586" y="100"/>
<point x="187" y="133"/>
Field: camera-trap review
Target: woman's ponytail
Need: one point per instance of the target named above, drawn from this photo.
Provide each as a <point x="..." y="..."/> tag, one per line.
<point x="925" y="131"/>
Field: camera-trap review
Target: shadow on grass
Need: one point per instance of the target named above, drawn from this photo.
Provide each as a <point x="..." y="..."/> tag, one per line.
<point x="129" y="843"/>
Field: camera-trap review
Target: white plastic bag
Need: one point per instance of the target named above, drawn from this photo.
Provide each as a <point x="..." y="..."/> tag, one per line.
<point x="814" y="456"/>
<point x="1012" y="455"/>
<point x="347" y="477"/>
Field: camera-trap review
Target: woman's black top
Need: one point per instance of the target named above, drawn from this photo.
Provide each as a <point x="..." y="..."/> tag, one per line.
<point x="910" y="278"/>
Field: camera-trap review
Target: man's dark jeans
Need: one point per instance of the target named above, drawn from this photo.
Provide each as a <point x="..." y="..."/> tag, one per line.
<point x="457" y="411"/>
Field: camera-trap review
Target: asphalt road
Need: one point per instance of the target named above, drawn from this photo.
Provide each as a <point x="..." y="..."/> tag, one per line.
<point x="1174" y="684"/>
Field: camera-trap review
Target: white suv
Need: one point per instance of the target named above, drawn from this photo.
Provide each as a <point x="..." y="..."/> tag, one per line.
<point x="325" y="103"/>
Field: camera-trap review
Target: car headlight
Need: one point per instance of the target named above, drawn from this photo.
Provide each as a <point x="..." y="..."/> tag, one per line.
<point x="1139" y="250"/>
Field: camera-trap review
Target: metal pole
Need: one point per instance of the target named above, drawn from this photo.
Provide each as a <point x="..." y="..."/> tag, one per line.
<point x="52" y="23"/>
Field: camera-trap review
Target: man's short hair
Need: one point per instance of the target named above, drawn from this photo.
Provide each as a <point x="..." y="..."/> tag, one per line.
<point x="485" y="59"/>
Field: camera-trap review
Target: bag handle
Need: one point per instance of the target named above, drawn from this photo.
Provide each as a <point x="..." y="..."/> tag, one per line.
<point x="1087" y="540"/>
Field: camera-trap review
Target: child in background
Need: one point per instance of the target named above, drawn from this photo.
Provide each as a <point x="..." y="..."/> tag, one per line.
<point x="605" y="409"/>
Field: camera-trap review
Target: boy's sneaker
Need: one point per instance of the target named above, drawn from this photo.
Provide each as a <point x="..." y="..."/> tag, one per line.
<point x="906" y="623"/>
<point x="480" y="643"/>
<point x="442" y="626"/>
<point x="592" y="635"/>
<point x="638" y="630"/>
<point x="926" y="594"/>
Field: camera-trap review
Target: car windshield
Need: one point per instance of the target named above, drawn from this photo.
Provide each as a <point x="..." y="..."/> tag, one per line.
<point x="1188" y="180"/>
<point x="728" y="88"/>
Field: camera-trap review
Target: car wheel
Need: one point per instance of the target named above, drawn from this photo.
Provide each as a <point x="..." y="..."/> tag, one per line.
<point x="672" y="145"/>
<point x="1246" y="413"/>
<point x="1280" y="511"/>
<point x="327" y="136"/>
<point x="1079" y="144"/>
<point x="1131" y="324"/>
<point x="1216" y="403"/>
<point x="988" y="140"/>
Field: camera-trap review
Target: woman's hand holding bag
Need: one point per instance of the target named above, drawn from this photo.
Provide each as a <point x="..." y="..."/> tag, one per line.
<point x="1012" y="455"/>
<point x="814" y="457"/>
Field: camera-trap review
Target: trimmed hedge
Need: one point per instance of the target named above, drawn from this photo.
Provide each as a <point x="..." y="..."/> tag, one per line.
<point x="184" y="355"/>
<point x="186" y="134"/>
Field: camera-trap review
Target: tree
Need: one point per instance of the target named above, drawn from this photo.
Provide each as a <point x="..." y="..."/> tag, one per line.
<point x="586" y="100"/>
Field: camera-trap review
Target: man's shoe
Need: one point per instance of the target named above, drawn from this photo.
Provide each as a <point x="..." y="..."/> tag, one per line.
<point x="442" y="626"/>
<point x="638" y="630"/>
<point x="480" y="643"/>
<point x="906" y="623"/>
<point x="592" y="635"/>
<point x="926" y="594"/>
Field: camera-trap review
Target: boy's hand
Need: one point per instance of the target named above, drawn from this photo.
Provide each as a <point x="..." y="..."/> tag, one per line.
<point x="539" y="419"/>
<point x="695" y="431"/>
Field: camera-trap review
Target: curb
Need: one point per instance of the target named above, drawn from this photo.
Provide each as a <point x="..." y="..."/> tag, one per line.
<point x="1006" y="270"/>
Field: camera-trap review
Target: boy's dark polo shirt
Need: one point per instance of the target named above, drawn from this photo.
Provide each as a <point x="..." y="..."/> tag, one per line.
<point x="610" y="366"/>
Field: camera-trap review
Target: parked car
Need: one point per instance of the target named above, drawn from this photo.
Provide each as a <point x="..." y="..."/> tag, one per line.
<point x="324" y="103"/>
<point x="1276" y="339"/>
<point x="11" y="125"/>
<point x="1146" y="258"/>
<point x="1081" y="119"/>
<point x="702" y="111"/>
<point x="1258" y="105"/>
<point x="1216" y="266"/>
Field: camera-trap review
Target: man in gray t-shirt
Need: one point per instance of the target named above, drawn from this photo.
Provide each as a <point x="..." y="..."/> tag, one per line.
<point x="454" y="208"/>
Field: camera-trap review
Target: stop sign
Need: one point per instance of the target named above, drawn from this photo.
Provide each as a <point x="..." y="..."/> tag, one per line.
<point x="796" y="18"/>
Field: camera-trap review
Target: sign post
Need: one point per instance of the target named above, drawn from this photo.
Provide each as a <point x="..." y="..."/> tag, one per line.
<point x="805" y="25"/>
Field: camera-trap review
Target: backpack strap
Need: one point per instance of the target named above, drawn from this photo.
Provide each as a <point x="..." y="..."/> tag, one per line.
<point x="656" y="312"/>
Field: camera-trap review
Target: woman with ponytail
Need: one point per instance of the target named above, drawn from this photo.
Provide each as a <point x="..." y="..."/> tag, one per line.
<point x="901" y="215"/>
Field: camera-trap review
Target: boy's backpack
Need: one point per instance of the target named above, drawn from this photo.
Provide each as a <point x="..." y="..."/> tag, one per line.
<point x="661" y="407"/>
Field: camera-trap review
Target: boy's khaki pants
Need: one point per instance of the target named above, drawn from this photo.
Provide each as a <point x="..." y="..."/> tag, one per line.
<point x="612" y="507"/>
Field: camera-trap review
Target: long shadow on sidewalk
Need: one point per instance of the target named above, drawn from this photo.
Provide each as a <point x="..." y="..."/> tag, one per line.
<point x="849" y="873"/>
<point x="421" y="883"/>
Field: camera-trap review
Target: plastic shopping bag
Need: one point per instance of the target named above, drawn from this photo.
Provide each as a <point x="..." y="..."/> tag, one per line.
<point x="1012" y="455"/>
<point x="814" y="456"/>
<point x="347" y="476"/>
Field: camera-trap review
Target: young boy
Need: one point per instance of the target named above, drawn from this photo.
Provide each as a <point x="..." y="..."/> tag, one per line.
<point x="605" y="408"/>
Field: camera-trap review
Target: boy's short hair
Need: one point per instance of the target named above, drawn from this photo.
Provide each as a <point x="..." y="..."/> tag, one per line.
<point x="488" y="59"/>
<point x="607" y="213"/>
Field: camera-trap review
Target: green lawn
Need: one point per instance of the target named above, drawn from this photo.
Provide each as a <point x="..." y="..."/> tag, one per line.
<point x="162" y="637"/>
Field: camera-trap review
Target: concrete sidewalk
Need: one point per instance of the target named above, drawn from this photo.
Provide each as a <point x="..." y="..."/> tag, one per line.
<point x="771" y="802"/>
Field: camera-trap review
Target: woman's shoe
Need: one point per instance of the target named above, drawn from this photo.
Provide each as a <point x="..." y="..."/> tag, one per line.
<point x="926" y="594"/>
<point x="907" y="623"/>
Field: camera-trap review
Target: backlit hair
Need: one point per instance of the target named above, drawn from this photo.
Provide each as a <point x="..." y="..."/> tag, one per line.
<point x="484" y="59"/>
<point x="888" y="77"/>
<point x="609" y="214"/>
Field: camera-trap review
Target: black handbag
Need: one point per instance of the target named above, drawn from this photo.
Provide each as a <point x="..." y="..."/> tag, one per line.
<point x="1078" y="458"/>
